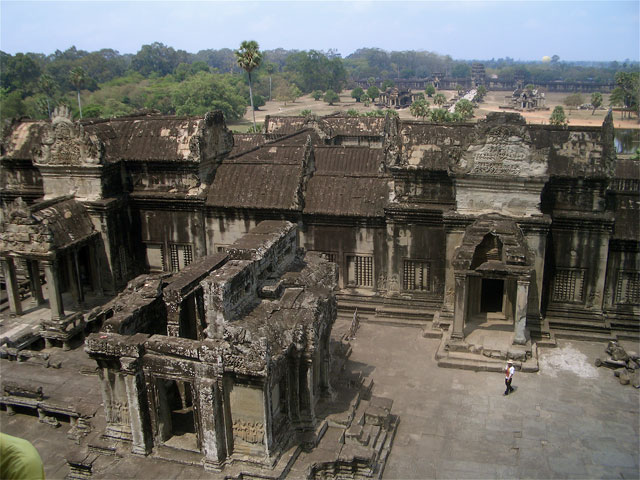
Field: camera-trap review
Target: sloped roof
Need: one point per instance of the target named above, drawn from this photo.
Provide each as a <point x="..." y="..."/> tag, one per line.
<point x="268" y="177"/>
<point x="45" y="227"/>
<point x="347" y="183"/>
<point x="68" y="221"/>
<point x="146" y="138"/>
<point x="22" y="139"/>
<point x="353" y="126"/>
<point x="346" y="195"/>
<point x="243" y="142"/>
<point x="284" y="125"/>
<point x="340" y="159"/>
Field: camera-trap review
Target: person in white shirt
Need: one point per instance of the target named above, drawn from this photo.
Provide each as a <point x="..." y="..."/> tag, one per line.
<point x="509" y="371"/>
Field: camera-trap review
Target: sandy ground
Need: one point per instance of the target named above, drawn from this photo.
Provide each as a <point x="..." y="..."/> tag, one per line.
<point x="492" y="102"/>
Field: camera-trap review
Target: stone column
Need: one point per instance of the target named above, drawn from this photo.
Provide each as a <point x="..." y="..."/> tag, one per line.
<point x="71" y="273"/>
<point x="11" y="281"/>
<point x="140" y="430"/>
<point x="96" y="274"/>
<point x="460" y="312"/>
<point x="294" y="388"/>
<point x="34" y="281"/>
<point x="520" y="322"/>
<point x="212" y="423"/>
<point x="55" y="296"/>
<point x="76" y="271"/>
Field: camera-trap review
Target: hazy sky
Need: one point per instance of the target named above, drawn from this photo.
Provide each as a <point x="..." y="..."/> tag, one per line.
<point x="574" y="30"/>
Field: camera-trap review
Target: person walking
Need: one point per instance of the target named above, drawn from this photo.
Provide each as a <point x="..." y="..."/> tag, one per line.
<point x="509" y="371"/>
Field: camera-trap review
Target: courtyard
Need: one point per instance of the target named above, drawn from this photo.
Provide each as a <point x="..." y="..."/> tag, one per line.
<point x="569" y="420"/>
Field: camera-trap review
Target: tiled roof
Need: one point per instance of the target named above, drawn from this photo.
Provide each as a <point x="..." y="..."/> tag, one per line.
<point x="148" y="138"/>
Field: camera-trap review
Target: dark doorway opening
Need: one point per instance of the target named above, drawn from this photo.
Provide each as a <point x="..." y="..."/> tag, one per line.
<point x="176" y="414"/>
<point x="492" y="295"/>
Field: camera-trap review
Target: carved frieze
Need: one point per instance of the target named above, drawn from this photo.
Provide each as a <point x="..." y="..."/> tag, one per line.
<point x="66" y="143"/>
<point x="504" y="151"/>
<point x="248" y="431"/>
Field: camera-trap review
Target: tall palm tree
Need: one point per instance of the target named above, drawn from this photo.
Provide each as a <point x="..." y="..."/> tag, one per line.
<point x="47" y="86"/>
<point x="270" y="68"/>
<point x="249" y="58"/>
<point x="78" y="77"/>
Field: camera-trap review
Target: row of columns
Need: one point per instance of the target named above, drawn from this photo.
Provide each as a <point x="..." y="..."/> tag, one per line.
<point x="461" y="308"/>
<point x="50" y="267"/>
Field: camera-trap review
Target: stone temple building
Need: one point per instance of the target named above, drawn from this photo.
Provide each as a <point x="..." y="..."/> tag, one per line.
<point x="228" y="357"/>
<point x="443" y="226"/>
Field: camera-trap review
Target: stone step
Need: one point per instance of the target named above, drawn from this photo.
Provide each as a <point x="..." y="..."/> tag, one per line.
<point x="593" y="336"/>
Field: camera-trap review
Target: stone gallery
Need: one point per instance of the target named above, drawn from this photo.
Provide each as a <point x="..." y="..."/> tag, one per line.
<point x="182" y="246"/>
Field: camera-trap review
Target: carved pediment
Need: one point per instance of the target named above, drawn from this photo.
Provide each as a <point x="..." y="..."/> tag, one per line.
<point x="67" y="143"/>
<point x="503" y="151"/>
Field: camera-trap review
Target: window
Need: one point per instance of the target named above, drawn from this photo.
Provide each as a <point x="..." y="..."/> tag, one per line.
<point x="628" y="288"/>
<point x="179" y="256"/>
<point x="568" y="285"/>
<point x="360" y="270"/>
<point x="331" y="256"/>
<point x="417" y="275"/>
<point x="155" y="257"/>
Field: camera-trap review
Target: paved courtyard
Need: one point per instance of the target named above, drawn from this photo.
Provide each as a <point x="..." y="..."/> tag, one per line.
<point x="570" y="420"/>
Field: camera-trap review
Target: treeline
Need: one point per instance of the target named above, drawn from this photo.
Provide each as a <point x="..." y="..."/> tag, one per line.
<point x="172" y="81"/>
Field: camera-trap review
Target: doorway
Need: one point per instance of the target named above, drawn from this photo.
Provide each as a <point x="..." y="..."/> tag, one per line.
<point x="492" y="295"/>
<point x="176" y="416"/>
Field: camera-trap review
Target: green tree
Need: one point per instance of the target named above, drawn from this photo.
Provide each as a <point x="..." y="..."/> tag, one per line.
<point x="258" y="101"/>
<point x="386" y="84"/>
<point x="201" y="93"/>
<point x="573" y="101"/>
<point x="357" y="93"/>
<point x="439" y="115"/>
<point x="558" y="117"/>
<point x="629" y="83"/>
<point x="158" y="58"/>
<point x="306" y="112"/>
<point x="420" y="109"/>
<point x="47" y="86"/>
<point x="352" y="112"/>
<point x="464" y="108"/>
<point x="331" y="97"/>
<point x="317" y="95"/>
<point x="365" y="99"/>
<point x="596" y="101"/>
<point x="430" y="90"/>
<point x="373" y="92"/>
<point x="78" y="76"/>
<point x="439" y="99"/>
<point x="294" y="93"/>
<point x="249" y="58"/>
<point x="480" y="94"/>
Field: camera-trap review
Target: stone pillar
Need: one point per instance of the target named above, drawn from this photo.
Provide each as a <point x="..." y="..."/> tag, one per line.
<point x="96" y="274"/>
<point x="173" y="318"/>
<point x="140" y="430"/>
<point x="55" y="296"/>
<point x="11" y="281"/>
<point x="460" y="312"/>
<point x="76" y="271"/>
<point x="34" y="282"/>
<point x="71" y="273"/>
<point x="294" y="389"/>
<point x="520" y="322"/>
<point x="454" y="236"/>
<point x="268" y="417"/>
<point x="212" y="423"/>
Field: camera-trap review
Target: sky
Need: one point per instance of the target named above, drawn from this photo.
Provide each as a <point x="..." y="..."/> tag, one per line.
<point x="523" y="30"/>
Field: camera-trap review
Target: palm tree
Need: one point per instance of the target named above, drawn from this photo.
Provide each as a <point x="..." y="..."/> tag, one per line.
<point x="270" y="68"/>
<point x="249" y="58"/>
<point x="78" y="77"/>
<point x="47" y="86"/>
